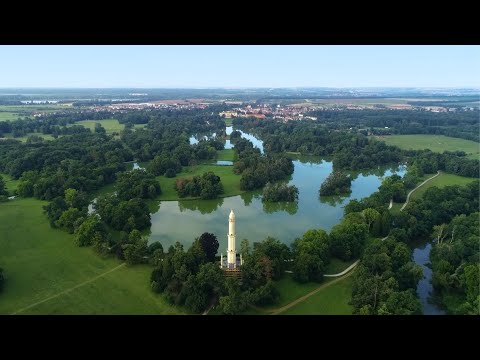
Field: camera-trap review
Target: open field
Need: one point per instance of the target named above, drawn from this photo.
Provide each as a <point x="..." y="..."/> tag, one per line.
<point x="110" y="125"/>
<point x="40" y="262"/>
<point x="226" y="154"/>
<point x="4" y="115"/>
<point x="436" y="143"/>
<point x="291" y="290"/>
<point x="10" y="183"/>
<point x="24" y="138"/>
<point x="441" y="181"/>
<point x="228" y="121"/>
<point x="333" y="300"/>
<point x="230" y="181"/>
<point x="124" y="291"/>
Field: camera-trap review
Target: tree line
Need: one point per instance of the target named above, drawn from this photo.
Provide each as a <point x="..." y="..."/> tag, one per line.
<point x="349" y="150"/>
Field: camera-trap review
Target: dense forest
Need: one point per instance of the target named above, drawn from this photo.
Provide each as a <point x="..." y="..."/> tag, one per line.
<point x="455" y="258"/>
<point x="449" y="214"/>
<point x="350" y="151"/>
<point x="385" y="280"/>
<point x="461" y="124"/>
<point x="193" y="277"/>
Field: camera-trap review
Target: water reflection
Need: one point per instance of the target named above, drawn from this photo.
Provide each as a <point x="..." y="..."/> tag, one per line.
<point x="333" y="200"/>
<point x="289" y="207"/>
<point x="184" y="220"/>
<point x="203" y="206"/>
<point x="248" y="197"/>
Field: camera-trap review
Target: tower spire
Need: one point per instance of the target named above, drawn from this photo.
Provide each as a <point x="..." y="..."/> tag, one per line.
<point x="231" y="253"/>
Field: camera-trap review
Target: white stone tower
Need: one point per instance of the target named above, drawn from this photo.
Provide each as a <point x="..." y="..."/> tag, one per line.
<point x="231" y="253"/>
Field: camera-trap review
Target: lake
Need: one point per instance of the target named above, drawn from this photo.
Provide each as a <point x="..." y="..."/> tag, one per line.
<point x="186" y="219"/>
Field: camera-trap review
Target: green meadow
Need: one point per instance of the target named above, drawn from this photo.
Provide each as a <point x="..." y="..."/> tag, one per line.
<point x="436" y="143"/>
<point x="332" y="300"/>
<point x="440" y="181"/>
<point x="42" y="263"/>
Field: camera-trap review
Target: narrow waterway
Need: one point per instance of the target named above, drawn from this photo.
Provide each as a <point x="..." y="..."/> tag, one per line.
<point x="421" y="253"/>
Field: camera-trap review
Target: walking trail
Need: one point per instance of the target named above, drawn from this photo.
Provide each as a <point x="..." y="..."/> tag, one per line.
<point x="423" y="183"/>
<point x="68" y="290"/>
<point x="304" y="297"/>
<point x="411" y="192"/>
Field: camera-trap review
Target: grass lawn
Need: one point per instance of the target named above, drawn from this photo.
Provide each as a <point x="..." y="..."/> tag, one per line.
<point x="230" y="181"/>
<point x="436" y="143"/>
<point x="11" y="184"/>
<point x="333" y="300"/>
<point x="291" y="290"/>
<point x="226" y="154"/>
<point x="39" y="262"/>
<point x="4" y="115"/>
<point x="124" y="291"/>
<point x="337" y="265"/>
<point x="440" y="181"/>
<point x="228" y="121"/>
<point x="110" y="125"/>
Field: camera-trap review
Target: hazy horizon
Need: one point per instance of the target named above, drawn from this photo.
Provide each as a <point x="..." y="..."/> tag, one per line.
<point x="242" y="87"/>
<point x="239" y="66"/>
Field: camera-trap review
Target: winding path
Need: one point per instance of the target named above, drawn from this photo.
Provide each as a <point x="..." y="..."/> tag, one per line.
<point x="423" y="183"/>
<point x="410" y="193"/>
<point x="68" y="290"/>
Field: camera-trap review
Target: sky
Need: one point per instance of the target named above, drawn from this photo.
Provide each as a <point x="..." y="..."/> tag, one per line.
<point x="236" y="66"/>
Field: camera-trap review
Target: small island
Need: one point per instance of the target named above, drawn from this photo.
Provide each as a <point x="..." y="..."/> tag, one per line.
<point x="279" y="192"/>
<point x="336" y="183"/>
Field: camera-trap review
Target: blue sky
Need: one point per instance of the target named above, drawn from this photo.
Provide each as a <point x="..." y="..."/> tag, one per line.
<point x="239" y="66"/>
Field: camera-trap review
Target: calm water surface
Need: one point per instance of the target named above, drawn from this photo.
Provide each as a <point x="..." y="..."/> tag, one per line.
<point x="184" y="220"/>
<point x="421" y="253"/>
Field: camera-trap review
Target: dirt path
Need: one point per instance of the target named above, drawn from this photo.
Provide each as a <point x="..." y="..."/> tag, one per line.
<point x="423" y="183"/>
<point x="68" y="290"/>
<point x="304" y="297"/>
<point x="410" y="193"/>
<point x="344" y="271"/>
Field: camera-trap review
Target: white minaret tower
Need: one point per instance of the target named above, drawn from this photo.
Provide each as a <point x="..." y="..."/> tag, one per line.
<point x="231" y="253"/>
